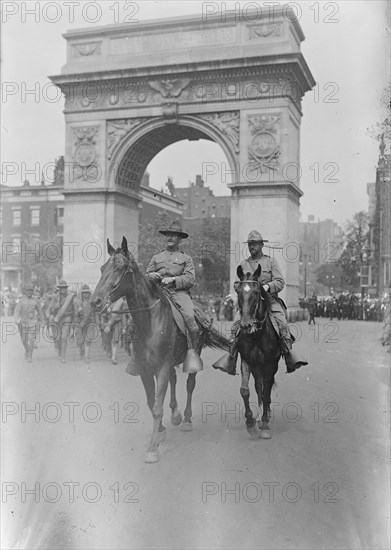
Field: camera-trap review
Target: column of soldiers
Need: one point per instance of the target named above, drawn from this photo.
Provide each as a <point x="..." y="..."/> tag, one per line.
<point x="68" y="317"/>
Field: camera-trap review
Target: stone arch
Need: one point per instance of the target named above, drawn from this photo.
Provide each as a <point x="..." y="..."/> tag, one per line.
<point x="146" y="138"/>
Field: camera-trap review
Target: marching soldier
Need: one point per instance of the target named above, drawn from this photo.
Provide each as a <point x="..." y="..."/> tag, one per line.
<point x="273" y="282"/>
<point x="112" y="330"/>
<point x="85" y="323"/>
<point x="29" y="317"/>
<point x="62" y="313"/>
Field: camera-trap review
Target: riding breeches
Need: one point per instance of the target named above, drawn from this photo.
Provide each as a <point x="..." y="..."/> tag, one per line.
<point x="186" y="307"/>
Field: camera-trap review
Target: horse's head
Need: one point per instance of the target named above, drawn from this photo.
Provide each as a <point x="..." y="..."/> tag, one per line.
<point x="250" y="298"/>
<point x="112" y="284"/>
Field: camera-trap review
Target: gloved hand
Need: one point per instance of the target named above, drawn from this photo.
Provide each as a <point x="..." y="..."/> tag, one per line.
<point x="154" y="276"/>
<point x="168" y="281"/>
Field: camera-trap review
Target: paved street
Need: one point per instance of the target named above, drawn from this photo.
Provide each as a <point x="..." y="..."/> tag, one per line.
<point x="322" y="481"/>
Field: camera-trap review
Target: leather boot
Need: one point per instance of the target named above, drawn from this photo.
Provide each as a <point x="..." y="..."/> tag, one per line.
<point x="293" y="361"/>
<point x="227" y="363"/>
<point x="192" y="362"/>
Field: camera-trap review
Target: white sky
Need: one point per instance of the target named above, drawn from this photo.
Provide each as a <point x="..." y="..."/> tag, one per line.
<point x="348" y="47"/>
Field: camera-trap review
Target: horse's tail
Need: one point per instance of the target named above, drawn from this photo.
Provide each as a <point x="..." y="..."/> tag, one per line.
<point x="211" y="336"/>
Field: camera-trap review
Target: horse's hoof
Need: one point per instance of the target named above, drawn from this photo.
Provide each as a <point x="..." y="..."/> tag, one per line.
<point x="186" y="427"/>
<point x="152" y="457"/>
<point x="176" y="419"/>
<point x="253" y="431"/>
<point x="265" y="434"/>
<point x="162" y="435"/>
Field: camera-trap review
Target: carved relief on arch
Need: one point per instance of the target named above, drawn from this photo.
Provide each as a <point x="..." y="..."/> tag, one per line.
<point x="228" y="124"/>
<point x="116" y="130"/>
<point x="264" y="143"/>
<point x="85" y="156"/>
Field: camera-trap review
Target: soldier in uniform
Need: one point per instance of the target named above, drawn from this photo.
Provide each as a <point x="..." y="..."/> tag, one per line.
<point x="112" y="326"/>
<point x="28" y="317"/>
<point x="61" y="317"/>
<point x="85" y="323"/>
<point x="174" y="270"/>
<point x="272" y="281"/>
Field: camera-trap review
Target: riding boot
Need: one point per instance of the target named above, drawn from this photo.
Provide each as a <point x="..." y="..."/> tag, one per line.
<point x="192" y="362"/>
<point x="293" y="361"/>
<point x="227" y="363"/>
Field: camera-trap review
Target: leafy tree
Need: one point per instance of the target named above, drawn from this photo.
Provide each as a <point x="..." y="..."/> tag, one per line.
<point x="41" y="263"/>
<point x="384" y="126"/>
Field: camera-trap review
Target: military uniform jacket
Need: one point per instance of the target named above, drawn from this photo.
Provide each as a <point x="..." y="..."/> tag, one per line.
<point x="176" y="264"/>
<point x="271" y="274"/>
<point x="57" y="304"/>
<point x="28" y="310"/>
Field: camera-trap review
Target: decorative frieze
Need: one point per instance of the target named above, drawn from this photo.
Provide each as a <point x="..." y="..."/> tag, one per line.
<point x="86" y="49"/>
<point x="265" y="30"/>
<point x="252" y="85"/>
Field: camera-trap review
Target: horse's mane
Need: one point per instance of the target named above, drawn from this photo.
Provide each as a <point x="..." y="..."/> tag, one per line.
<point x="155" y="288"/>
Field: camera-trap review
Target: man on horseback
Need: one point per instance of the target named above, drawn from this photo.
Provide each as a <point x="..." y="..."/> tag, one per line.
<point x="273" y="282"/>
<point x="174" y="270"/>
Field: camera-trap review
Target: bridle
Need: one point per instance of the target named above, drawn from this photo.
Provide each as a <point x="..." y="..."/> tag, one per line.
<point x="256" y="324"/>
<point x="123" y="311"/>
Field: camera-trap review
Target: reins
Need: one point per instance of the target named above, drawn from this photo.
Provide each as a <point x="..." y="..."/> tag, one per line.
<point x="257" y="324"/>
<point x="124" y="311"/>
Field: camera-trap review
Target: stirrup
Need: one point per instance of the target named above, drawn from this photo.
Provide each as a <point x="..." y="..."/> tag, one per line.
<point x="192" y="363"/>
<point x="226" y="363"/>
<point x="293" y="361"/>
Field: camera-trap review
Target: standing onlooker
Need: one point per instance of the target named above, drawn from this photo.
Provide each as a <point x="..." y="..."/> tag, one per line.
<point x="311" y="306"/>
<point x="217" y="305"/>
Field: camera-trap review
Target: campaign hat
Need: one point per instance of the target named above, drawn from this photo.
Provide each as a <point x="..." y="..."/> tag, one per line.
<point x="174" y="229"/>
<point x="255" y="237"/>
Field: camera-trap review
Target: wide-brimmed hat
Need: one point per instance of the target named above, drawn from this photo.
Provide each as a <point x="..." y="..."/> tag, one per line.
<point x="85" y="288"/>
<point x="174" y="229"/>
<point x="29" y="286"/>
<point x="62" y="284"/>
<point x="255" y="236"/>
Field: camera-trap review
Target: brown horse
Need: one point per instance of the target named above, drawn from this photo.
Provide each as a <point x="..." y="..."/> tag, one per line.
<point x="258" y="347"/>
<point x="159" y="345"/>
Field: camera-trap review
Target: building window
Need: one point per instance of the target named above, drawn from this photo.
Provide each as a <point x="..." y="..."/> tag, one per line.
<point x="60" y="216"/>
<point x="387" y="269"/>
<point x="34" y="216"/>
<point x="16" y="244"/>
<point x="16" y="216"/>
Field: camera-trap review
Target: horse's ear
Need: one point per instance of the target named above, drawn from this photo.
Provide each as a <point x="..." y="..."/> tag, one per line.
<point x="124" y="245"/>
<point x="257" y="272"/>
<point x="239" y="272"/>
<point x="110" y="249"/>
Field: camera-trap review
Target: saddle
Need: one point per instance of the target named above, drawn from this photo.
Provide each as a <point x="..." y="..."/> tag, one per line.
<point x="178" y="318"/>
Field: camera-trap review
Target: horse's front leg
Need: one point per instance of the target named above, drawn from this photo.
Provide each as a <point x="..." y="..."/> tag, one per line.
<point x="251" y="424"/>
<point x="157" y="413"/>
<point x="176" y="417"/>
<point x="268" y="382"/>
<point x="187" y="426"/>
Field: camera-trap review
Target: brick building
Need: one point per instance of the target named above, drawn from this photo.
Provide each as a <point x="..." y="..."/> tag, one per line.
<point x="321" y="243"/>
<point x="200" y="202"/>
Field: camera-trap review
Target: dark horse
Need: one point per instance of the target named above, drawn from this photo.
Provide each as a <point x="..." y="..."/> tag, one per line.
<point x="258" y="347"/>
<point x="159" y="345"/>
